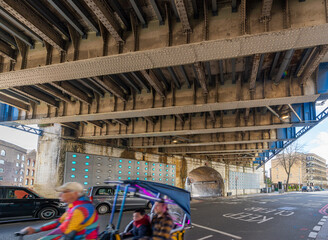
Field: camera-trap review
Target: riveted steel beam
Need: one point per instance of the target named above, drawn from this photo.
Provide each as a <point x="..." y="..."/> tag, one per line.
<point x="28" y="17"/>
<point x="89" y="84"/>
<point x="254" y="73"/>
<point x="120" y="12"/>
<point x="174" y="77"/>
<point x="314" y="64"/>
<point x="69" y="89"/>
<point x="116" y="90"/>
<point x="201" y="76"/>
<point x="54" y="92"/>
<point x="13" y="102"/>
<point x="284" y="65"/>
<point x="7" y="38"/>
<point x="34" y="93"/>
<point x="52" y="18"/>
<point x="167" y="56"/>
<point x="7" y="52"/>
<point x="5" y="25"/>
<point x="106" y="17"/>
<point x="153" y="81"/>
<point x="140" y="15"/>
<point x="157" y="12"/>
<point x="84" y="14"/>
<point x="186" y="132"/>
<point x="128" y="79"/>
<point x="15" y="96"/>
<point x="162" y="111"/>
<point x="181" y="8"/>
<point x="197" y="144"/>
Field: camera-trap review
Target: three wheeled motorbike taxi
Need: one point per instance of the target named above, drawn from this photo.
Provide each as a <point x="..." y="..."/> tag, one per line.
<point x="178" y="201"/>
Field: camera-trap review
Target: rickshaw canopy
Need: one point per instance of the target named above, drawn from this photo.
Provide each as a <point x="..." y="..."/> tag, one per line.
<point x="179" y="196"/>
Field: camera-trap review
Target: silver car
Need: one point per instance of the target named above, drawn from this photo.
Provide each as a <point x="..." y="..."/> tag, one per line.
<point x="102" y="198"/>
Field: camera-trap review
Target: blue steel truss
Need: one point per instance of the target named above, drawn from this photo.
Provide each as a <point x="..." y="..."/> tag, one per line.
<point x="24" y="128"/>
<point x="271" y="153"/>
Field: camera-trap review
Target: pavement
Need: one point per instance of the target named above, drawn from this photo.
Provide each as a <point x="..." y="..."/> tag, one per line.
<point x="273" y="216"/>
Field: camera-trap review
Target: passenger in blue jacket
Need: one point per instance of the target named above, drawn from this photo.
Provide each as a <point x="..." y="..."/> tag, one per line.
<point x="141" y="226"/>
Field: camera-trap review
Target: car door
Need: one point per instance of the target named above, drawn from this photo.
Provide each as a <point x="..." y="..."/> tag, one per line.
<point x="18" y="202"/>
<point x="133" y="202"/>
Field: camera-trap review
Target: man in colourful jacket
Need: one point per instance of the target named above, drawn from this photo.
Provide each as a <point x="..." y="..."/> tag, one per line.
<point x="79" y="222"/>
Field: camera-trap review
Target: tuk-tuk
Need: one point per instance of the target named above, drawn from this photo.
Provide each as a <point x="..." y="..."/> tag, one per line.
<point x="178" y="201"/>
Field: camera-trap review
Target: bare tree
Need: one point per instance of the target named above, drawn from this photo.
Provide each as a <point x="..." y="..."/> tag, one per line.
<point x="293" y="154"/>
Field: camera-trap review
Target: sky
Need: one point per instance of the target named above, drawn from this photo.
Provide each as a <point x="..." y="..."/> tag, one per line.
<point x="315" y="141"/>
<point x="23" y="139"/>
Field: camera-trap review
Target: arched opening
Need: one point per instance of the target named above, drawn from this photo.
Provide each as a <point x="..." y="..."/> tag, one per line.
<point x="205" y="182"/>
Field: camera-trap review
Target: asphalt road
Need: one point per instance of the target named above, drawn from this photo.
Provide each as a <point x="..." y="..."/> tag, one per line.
<point x="268" y="216"/>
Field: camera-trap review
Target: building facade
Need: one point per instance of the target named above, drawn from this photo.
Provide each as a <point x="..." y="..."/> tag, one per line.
<point x="12" y="164"/>
<point x="311" y="170"/>
<point x="316" y="170"/>
<point x="30" y="167"/>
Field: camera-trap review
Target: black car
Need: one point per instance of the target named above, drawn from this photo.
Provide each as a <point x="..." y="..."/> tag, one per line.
<point x="21" y="202"/>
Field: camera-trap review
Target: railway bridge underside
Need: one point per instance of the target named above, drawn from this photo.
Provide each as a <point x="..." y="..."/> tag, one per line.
<point x="225" y="81"/>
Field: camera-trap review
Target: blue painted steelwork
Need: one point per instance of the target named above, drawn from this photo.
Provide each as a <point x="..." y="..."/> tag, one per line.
<point x="269" y="154"/>
<point x="9" y="113"/>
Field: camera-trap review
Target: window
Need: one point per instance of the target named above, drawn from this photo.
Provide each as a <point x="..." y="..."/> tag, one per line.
<point x="2" y="161"/>
<point x="20" y="179"/>
<point x="32" y="173"/>
<point x="15" y="179"/>
<point x="16" y="172"/>
<point x="32" y="181"/>
<point x="17" y="164"/>
<point x="13" y="193"/>
<point x="26" y="181"/>
<point x="22" y="165"/>
<point x="1" y="169"/>
<point x="28" y="162"/>
<point x="3" y="153"/>
<point x="1" y="178"/>
<point x="105" y="191"/>
<point x="23" y="158"/>
<point x="18" y="156"/>
<point x="33" y="163"/>
<point x="21" y="172"/>
<point x="27" y="172"/>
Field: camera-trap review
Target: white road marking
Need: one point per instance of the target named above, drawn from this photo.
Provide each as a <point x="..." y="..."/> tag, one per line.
<point x="317" y="228"/>
<point x="313" y="235"/>
<point x="217" y="231"/>
<point x="321" y="223"/>
<point x="209" y="236"/>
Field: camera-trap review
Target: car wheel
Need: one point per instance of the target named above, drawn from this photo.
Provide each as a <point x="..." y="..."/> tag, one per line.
<point x="48" y="213"/>
<point x="149" y="205"/>
<point x="103" y="209"/>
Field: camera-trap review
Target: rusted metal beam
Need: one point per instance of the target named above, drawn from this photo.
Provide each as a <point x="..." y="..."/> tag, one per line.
<point x="266" y="8"/>
<point x="71" y="125"/>
<point x="254" y="73"/>
<point x="13" y="102"/>
<point x="154" y="82"/>
<point x="180" y="117"/>
<point x="89" y="84"/>
<point x="69" y="89"/>
<point x="106" y="17"/>
<point x="314" y="64"/>
<point x="7" y="52"/>
<point x="189" y="132"/>
<point x="32" y="20"/>
<point x="113" y="88"/>
<point x="150" y="119"/>
<point x="201" y="76"/>
<point x="121" y="121"/>
<point x="275" y="113"/>
<point x="32" y="92"/>
<point x="54" y="92"/>
<point x="181" y="8"/>
<point x="96" y="123"/>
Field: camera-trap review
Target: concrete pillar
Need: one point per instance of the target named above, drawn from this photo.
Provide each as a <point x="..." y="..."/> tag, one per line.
<point x="48" y="160"/>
